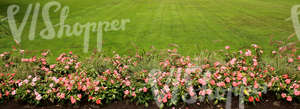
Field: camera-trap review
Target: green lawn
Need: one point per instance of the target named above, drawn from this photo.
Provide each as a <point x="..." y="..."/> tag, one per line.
<point x="193" y="25"/>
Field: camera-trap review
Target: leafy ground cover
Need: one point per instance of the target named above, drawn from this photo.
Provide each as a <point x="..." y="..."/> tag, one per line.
<point x="208" y="78"/>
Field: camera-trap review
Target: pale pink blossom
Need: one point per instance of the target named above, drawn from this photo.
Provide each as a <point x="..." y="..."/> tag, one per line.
<point x="290" y="60"/>
<point x="287" y="81"/>
<point x="133" y="94"/>
<point x="221" y="84"/>
<point x="97" y="89"/>
<point x="297" y="93"/>
<point x="62" y="95"/>
<point x="145" y="89"/>
<point x="165" y="100"/>
<point x="248" y="53"/>
<point x="127" y="83"/>
<point x="202" y="92"/>
<point x="283" y="95"/>
<point x="208" y="91"/>
<point x="38" y="97"/>
<point x="227" y="47"/>
<point x="289" y="98"/>
<point x="52" y="66"/>
<point x="13" y="92"/>
<point x="126" y="92"/>
<point x="227" y="79"/>
<point x="201" y="81"/>
<point x="79" y="96"/>
<point x="73" y="100"/>
<point x="67" y="67"/>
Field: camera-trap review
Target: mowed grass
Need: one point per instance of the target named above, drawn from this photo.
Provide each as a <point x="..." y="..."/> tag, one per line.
<point x="194" y="25"/>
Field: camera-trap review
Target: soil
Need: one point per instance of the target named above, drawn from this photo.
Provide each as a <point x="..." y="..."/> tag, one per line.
<point x="270" y="102"/>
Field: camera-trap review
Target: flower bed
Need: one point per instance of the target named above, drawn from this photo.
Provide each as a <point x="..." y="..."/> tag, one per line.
<point x="166" y="78"/>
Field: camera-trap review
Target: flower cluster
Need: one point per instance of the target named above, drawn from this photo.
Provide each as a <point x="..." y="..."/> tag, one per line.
<point x="164" y="78"/>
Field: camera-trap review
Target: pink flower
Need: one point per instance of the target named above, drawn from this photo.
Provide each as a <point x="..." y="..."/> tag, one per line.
<point x="165" y="100"/>
<point x="20" y="84"/>
<point x="38" y="97"/>
<point x="248" y="53"/>
<point x="255" y="63"/>
<point x="297" y="93"/>
<point x="79" y="96"/>
<point x="191" y="91"/>
<point x="285" y="76"/>
<point x="97" y="88"/>
<point x="298" y="68"/>
<point x="146" y="80"/>
<point x="166" y="88"/>
<point x="289" y="98"/>
<point x="52" y="66"/>
<point x="245" y="68"/>
<point x="62" y="96"/>
<point x="234" y="84"/>
<point x="273" y="52"/>
<point x="212" y="82"/>
<point x="73" y="100"/>
<point x="251" y="99"/>
<point x="98" y="101"/>
<point x="227" y="47"/>
<point x="244" y="81"/>
<point x="133" y="94"/>
<point x="216" y="64"/>
<point x="290" y="60"/>
<point x="254" y="45"/>
<point x="221" y="84"/>
<point x="255" y="85"/>
<point x="227" y="79"/>
<point x="208" y="91"/>
<point x="77" y="65"/>
<point x="252" y="74"/>
<point x="127" y="83"/>
<point x="67" y="67"/>
<point x="201" y="81"/>
<point x="6" y="93"/>
<point x="169" y="95"/>
<point x="126" y="92"/>
<point x="287" y="81"/>
<point x="84" y="88"/>
<point x="232" y="61"/>
<point x="145" y="89"/>
<point x="283" y="95"/>
<point x="13" y="92"/>
<point x="51" y="85"/>
<point x="45" y="54"/>
<point x="202" y="92"/>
